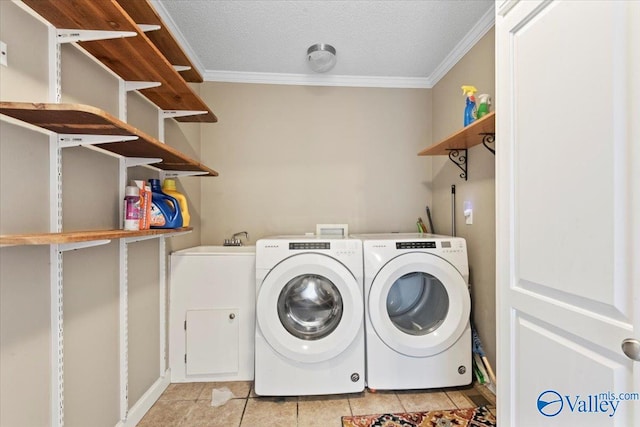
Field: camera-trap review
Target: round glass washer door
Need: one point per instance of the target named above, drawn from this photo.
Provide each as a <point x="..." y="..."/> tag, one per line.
<point x="419" y="304"/>
<point x="309" y="308"/>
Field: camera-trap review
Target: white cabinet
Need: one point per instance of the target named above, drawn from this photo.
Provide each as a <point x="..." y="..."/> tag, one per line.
<point x="212" y="341"/>
<point x="212" y="314"/>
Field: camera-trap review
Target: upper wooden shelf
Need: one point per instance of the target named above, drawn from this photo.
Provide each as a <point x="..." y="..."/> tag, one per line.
<point x="83" y="119"/>
<point x="465" y="138"/>
<point x="82" y="236"/>
<point x="132" y="58"/>
<point x="142" y="12"/>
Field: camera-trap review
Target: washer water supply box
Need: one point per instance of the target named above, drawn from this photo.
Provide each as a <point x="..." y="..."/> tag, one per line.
<point x="332" y="230"/>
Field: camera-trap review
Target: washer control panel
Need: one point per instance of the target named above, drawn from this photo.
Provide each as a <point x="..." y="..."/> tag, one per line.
<point x="273" y="250"/>
<point x="305" y="246"/>
<point x="417" y="245"/>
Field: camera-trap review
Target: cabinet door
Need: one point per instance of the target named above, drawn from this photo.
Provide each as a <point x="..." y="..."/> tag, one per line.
<point x="568" y="213"/>
<point x="212" y="341"/>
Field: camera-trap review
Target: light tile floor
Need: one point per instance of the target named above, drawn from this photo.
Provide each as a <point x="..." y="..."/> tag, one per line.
<point x="189" y="405"/>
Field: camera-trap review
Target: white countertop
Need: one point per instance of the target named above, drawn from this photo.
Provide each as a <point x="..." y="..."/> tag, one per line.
<point x="217" y="250"/>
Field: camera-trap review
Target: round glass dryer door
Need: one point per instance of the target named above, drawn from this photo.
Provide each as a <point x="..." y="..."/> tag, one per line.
<point x="309" y="307"/>
<point x="419" y="304"/>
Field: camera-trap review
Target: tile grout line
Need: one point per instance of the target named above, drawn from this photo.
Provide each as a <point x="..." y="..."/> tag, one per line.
<point x="404" y="409"/>
<point x="246" y="403"/>
<point x="244" y="408"/>
<point x="446" y="393"/>
<point x="186" y="415"/>
<point x="455" y="405"/>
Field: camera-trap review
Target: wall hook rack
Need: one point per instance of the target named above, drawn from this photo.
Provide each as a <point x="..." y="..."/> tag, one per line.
<point x="459" y="157"/>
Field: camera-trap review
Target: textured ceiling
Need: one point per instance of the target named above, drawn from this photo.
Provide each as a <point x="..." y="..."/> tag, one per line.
<point x="379" y="43"/>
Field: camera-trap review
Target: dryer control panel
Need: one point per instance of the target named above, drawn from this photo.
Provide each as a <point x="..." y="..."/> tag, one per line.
<point x="447" y="246"/>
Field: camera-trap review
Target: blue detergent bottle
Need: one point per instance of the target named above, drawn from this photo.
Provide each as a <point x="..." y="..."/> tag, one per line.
<point x="165" y="210"/>
<point x="470" y="111"/>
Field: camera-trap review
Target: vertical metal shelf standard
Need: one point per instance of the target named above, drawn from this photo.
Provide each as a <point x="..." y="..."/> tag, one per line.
<point x="57" y="142"/>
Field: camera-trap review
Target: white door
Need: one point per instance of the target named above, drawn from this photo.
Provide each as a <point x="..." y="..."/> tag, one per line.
<point x="568" y="212"/>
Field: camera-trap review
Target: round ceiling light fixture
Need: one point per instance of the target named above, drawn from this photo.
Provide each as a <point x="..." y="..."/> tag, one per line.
<point x="321" y="57"/>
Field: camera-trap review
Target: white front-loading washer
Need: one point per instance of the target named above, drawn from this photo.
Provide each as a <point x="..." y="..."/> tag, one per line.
<point x="417" y="308"/>
<point x="309" y="316"/>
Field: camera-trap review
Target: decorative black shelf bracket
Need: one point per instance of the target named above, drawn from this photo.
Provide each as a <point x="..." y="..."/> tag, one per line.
<point x="459" y="157"/>
<point x="489" y="138"/>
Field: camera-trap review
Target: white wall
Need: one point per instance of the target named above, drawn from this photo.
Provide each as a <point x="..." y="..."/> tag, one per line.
<point x="292" y="156"/>
<point x="476" y="68"/>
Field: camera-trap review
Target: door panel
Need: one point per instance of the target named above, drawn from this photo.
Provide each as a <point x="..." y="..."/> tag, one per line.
<point x="567" y="212"/>
<point x="601" y="374"/>
<point x="212" y="341"/>
<point x="556" y="147"/>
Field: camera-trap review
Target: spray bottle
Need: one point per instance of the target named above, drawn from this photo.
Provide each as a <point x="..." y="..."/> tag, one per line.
<point x="485" y="102"/>
<point x="470" y="108"/>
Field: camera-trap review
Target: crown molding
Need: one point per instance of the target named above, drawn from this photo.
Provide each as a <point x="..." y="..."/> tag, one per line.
<point x="175" y="30"/>
<point x="484" y="24"/>
<point x="316" y="79"/>
<point x="482" y="27"/>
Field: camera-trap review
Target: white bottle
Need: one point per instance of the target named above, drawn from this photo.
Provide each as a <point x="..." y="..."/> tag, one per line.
<point x="132" y="208"/>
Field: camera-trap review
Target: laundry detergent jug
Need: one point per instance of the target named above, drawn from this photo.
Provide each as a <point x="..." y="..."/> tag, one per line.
<point x="165" y="210"/>
<point x="169" y="188"/>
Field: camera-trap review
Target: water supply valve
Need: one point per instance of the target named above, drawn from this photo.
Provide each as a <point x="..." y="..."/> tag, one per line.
<point x="235" y="239"/>
<point x="232" y="242"/>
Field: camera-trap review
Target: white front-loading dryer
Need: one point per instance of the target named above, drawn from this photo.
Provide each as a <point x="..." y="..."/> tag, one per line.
<point x="309" y="316"/>
<point x="417" y="308"/>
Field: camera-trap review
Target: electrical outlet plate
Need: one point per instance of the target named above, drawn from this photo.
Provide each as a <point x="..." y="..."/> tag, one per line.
<point x="468" y="213"/>
<point x="3" y="54"/>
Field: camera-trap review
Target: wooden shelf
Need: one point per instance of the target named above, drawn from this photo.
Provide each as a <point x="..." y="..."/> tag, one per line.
<point x="142" y="12"/>
<point x="131" y="58"/>
<point x="83" y="119"/>
<point x="83" y="236"/>
<point x="465" y="138"/>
